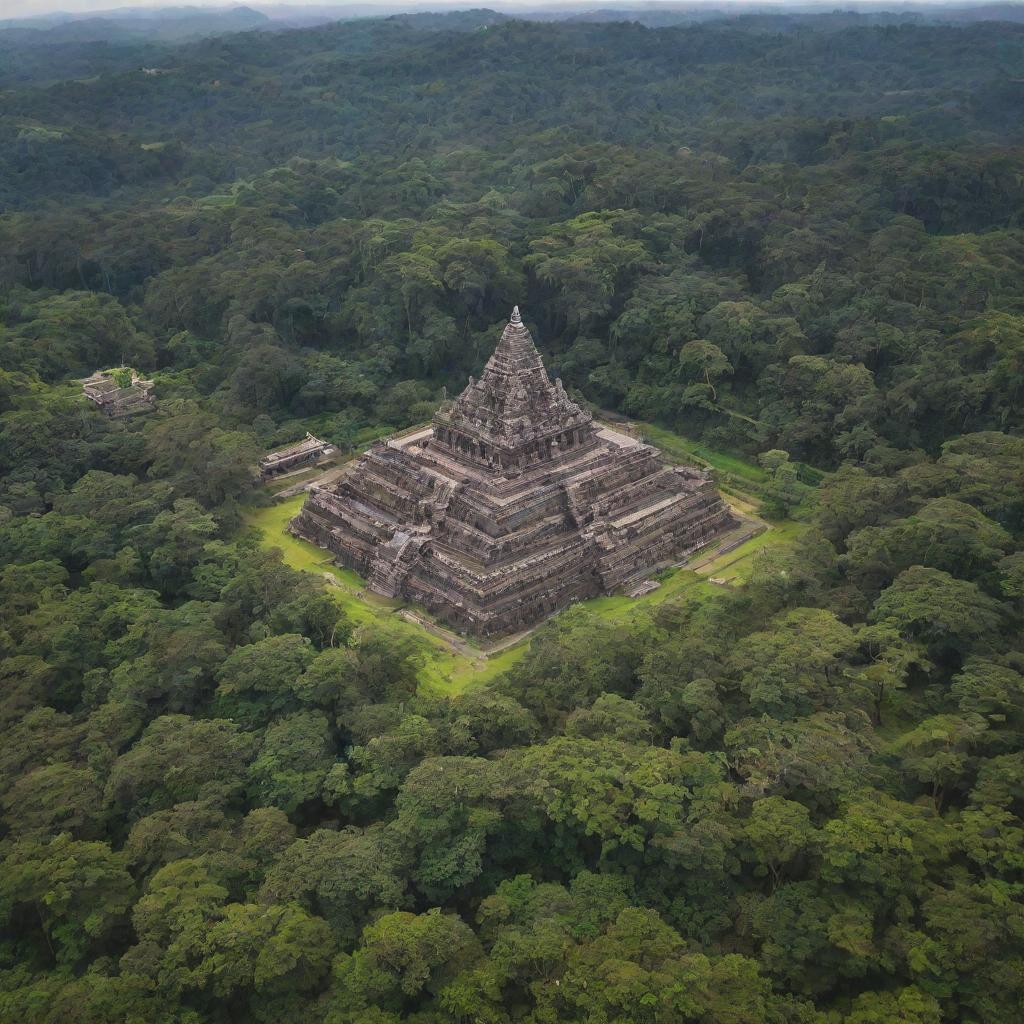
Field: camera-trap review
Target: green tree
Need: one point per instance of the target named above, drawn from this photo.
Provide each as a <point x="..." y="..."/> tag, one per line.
<point x="931" y="606"/>
<point x="346" y="877"/>
<point x="937" y="751"/>
<point x="778" y="831"/>
<point x="75" y="893"/>
<point x="292" y="762"/>
<point x="944" y="534"/>
<point x="402" y="955"/>
<point x="798" y="665"/>
<point x="783" y="492"/>
<point x="909" y="1005"/>
<point x="199" y="457"/>
<point x="258" y="680"/>
<point x="53" y="799"/>
<point x="703" y="361"/>
<point x="178" y="759"/>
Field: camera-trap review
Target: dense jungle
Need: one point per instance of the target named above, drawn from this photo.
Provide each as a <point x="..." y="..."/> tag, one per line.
<point x="796" y="243"/>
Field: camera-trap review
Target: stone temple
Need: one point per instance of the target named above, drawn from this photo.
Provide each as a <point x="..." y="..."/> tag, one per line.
<point x="513" y="504"/>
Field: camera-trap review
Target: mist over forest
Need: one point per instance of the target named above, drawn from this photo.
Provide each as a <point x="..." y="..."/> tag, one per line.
<point x="785" y="787"/>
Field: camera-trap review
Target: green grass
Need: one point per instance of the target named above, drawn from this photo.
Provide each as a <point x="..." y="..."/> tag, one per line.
<point x="217" y="200"/>
<point x="675" y="583"/>
<point x="349" y="587"/>
<point x="729" y="466"/>
<point x="39" y="133"/>
<point x="735" y="566"/>
<point x="731" y="469"/>
<point x="461" y="672"/>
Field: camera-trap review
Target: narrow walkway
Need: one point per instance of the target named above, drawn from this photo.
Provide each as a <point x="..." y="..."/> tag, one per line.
<point x="457" y="643"/>
<point x="324" y="480"/>
<point x="460" y="644"/>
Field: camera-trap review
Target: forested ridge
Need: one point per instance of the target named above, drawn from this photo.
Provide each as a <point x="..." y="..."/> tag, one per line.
<point x="796" y="801"/>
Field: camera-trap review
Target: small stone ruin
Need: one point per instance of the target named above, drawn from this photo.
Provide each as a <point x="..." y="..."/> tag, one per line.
<point x="306" y="452"/>
<point x="120" y="392"/>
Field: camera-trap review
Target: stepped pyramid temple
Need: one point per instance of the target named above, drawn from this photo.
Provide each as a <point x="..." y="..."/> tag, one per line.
<point x="512" y="504"/>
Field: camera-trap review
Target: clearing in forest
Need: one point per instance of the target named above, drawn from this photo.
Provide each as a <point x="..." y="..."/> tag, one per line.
<point x="452" y="663"/>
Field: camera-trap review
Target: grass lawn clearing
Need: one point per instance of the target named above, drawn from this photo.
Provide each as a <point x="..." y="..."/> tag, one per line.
<point x="452" y="665"/>
<point x="726" y="464"/>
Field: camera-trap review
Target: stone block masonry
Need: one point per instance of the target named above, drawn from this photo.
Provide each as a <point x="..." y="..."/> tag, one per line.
<point x="512" y="505"/>
<point x="306" y="452"/>
<point x="119" y="393"/>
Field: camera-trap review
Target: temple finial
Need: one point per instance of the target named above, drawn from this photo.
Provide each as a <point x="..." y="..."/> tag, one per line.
<point x="516" y="318"/>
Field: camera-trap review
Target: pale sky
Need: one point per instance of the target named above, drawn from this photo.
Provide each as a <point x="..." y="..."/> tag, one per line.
<point x="28" y="8"/>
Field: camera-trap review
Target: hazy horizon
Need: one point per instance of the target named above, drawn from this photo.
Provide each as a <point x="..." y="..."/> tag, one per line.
<point x="12" y="9"/>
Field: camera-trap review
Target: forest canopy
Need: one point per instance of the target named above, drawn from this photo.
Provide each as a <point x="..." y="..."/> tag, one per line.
<point x="794" y="241"/>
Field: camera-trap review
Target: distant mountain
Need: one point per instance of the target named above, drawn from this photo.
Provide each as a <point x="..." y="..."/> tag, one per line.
<point x="309" y="15"/>
<point x="778" y="17"/>
<point x="181" y="24"/>
<point x="165" y="24"/>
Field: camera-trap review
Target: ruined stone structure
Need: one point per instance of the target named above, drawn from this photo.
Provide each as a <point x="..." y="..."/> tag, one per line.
<point x="512" y="504"/>
<point x="307" y="452"/>
<point x="119" y="399"/>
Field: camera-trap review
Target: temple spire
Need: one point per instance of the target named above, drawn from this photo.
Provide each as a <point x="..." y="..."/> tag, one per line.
<point x="513" y="404"/>
<point x="516" y="350"/>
